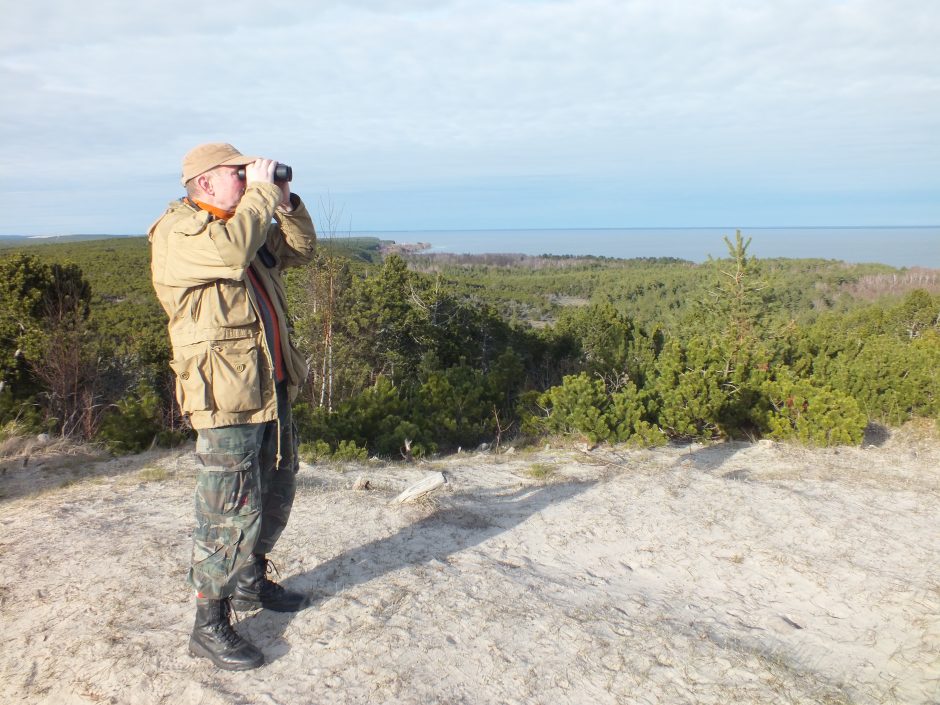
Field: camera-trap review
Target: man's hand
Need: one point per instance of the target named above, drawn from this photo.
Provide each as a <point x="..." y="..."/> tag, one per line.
<point x="285" y="204"/>
<point x="260" y="171"/>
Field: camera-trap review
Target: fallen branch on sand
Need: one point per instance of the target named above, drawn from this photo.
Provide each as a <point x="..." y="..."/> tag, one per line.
<point x="421" y="489"/>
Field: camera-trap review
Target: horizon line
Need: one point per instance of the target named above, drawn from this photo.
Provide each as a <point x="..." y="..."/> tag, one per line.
<point x="539" y="229"/>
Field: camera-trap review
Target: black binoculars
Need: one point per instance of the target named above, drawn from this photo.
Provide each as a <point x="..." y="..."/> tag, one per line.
<point x="282" y="172"/>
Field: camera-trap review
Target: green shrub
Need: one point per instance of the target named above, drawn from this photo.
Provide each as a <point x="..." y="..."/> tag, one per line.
<point x="22" y="417"/>
<point x="532" y="416"/>
<point x="688" y="395"/>
<point x="813" y="414"/>
<point x="626" y="417"/>
<point x="891" y="379"/>
<point x="647" y="435"/>
<point x="320" y="451"/>
<point x="314" y="452"/>
<point x="624" y="413"/>
<point x="349" y="451"/>
<point x="455" y="407"/>
<point x="133" y="423"/>
<point x="659" y="348"/>
<point x="577" y="405"/>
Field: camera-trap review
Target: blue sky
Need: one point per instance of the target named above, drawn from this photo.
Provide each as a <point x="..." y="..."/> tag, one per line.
<point x="480" y="114"/>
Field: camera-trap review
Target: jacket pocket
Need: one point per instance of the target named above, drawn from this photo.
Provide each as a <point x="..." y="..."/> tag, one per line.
<point x="229" y="306"/>
<point x="214" y="552"/>
<point x="236" y="377"/>
<point x="228" y="483"/>
<point x="191" y="387"/>
<point x="221" y="304"/>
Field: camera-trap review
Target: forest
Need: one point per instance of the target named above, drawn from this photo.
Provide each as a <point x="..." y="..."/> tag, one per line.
<point x="412" y="354"/>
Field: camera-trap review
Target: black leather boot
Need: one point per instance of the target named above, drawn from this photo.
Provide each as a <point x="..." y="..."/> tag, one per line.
<point x="214" y="638"/>
<point x="254" y="590"/>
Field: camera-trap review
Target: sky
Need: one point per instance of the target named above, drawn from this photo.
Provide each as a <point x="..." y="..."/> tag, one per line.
<point x="467" y="114"/>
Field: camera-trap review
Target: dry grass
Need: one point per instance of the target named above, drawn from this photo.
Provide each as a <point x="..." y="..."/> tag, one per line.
<point x="917" y="431"/>
<point x="154" y="474"/>
<point x="20" y="446"/>
<point x="540" y="471"/>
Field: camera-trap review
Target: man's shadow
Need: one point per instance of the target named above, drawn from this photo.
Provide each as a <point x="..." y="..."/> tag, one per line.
<point x="467" y="521"/>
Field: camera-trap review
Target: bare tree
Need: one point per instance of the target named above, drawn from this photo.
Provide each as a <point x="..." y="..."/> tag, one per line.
<point x="322" y="290"/>
<point x="67" y="364"/>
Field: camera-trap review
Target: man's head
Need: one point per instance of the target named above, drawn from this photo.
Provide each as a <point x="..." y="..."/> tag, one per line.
<point x="210" y="174"/>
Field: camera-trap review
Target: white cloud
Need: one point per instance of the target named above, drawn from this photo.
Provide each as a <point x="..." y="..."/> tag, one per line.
<point x="798" y="91"/>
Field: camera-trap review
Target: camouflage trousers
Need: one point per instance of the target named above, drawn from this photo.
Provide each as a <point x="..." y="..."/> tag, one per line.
<point x="243" y="497"/>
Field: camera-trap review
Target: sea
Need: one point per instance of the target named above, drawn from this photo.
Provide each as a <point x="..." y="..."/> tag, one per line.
<point x="898" y="246"/>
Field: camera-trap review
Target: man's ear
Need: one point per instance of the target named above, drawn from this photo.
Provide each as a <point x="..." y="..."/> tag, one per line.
<point x="205" y="184"/>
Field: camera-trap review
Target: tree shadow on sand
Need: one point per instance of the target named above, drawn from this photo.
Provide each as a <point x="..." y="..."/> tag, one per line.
<point x="467" y="521"/>
<point x="713" y="457"/>
<point x="33" y="470"/>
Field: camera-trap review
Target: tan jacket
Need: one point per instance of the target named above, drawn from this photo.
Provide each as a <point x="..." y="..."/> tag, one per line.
<point x="223" y="367"/>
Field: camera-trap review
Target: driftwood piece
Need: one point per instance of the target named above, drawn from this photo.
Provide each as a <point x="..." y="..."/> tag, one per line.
<point x="422" y="488"/>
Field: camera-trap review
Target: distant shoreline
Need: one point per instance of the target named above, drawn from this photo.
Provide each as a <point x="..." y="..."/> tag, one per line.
<point x="894" y="246"/>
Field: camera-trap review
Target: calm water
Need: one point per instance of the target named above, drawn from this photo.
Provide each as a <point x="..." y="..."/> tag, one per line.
<point x="897" y="246"/>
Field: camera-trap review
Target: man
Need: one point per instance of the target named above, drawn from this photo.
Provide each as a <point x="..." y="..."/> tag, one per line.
<point x="216" y="260"/>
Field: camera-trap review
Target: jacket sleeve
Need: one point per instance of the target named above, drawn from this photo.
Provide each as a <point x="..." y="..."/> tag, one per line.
<point x="294" y="240"/>
<point x="196" y="249"/>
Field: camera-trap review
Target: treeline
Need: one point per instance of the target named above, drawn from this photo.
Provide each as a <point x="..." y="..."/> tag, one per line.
<point x="657" y="291"/>
<point x="406" y="362"/>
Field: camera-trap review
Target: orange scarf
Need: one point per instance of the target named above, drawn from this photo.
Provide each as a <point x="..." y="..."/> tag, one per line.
<point x="217" y="212"/>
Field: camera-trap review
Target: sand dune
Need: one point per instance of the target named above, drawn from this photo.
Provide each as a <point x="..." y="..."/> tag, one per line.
<point x="733" y="573"/>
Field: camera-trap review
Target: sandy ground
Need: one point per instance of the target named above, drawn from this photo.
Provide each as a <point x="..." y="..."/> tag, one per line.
<point x="733" y="573"/>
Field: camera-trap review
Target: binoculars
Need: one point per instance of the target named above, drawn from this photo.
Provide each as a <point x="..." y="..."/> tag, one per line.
<point x="282" y="172"/>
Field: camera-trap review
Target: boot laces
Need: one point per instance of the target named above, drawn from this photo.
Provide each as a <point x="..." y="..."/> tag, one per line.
<point x="268" y="586"/>
<point x="270" y="568"/>
<point x="229" y="636"/>
<point x="230" y="610"/>
<point x="225" y="631"/>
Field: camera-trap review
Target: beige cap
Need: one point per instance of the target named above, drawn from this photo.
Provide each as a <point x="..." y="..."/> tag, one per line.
<point x="201" y="159"/>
